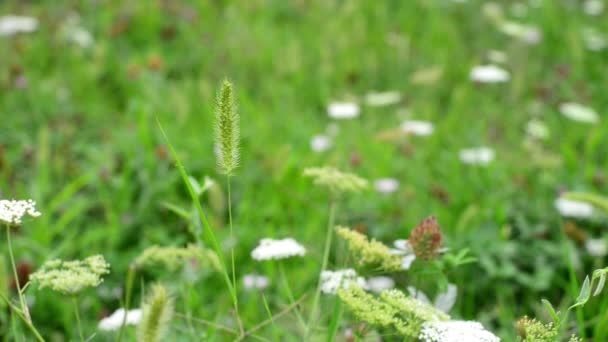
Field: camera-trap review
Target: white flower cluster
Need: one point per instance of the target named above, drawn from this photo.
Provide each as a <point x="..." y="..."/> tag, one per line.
<point x="386" y="185"/>
<point x="115" y="320"/>
<point x="11" y="211"/>
<point x="577" y="112"/>
<point x="13" y="24"/>
<point x="71" y="277"/>
<point x="332" y="281"/>
<point x="255" y="281"/>
<point x="417" y="127"/>
<point x="572" y="208"/>
<point x="277" y="249"/>
<point x="489" y="74"/>
<point x="477" y="156"/>
<point x="455" y="331"/>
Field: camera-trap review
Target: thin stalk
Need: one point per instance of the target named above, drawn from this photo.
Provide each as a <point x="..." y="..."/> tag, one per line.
<point x="328" y="238"/>
<point x="236" y="300"/>
<point x="26" y="313"/>
<point x="75" y="304"/>
<point x="130" y="279"/>
<point x="290" y="294"/>
<point x="20" y="314"/>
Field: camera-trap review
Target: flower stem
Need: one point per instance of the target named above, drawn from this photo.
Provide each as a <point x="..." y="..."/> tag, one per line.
<point x="24" y="308"/>
<point x="75" y="303"/>
<point x="236" y="302"/>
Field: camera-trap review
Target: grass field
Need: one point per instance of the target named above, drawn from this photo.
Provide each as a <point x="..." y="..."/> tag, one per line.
<point x="80" y="134"/>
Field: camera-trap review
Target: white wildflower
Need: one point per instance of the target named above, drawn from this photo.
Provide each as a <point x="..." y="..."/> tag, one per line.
<point x="537" y="129"/>
<point x="13" y="24"/>
<point x="444" y="301"/>
<point x="255" y="281"/>
<point x="577" y="112"/>
<point x="593" y="7"/>
<point x="415" y="127"/>
<point x="343" y="110"/>
<point x="332" y="281"/>
<point x="277" y="249"/>
<point x="594" y="40"/>
<point x="404" y="248"/>
<point x="12" y="211"/>
<point x="115" y="320"/>
<point x="489" y="74"/>
<point x="382" y="99"/>
<point x="477" y="155"/>
<point x="596" y="247"/>
<point x="497" y="56"/>
<point x="572" y="208"/>
<point x="379" y="284"/>
<point x="320" y="143"/>
<point x="525" y="33"/>
<point x="455" y="331"/>
<point x="386" y="185"/>
<point x="79" y="36"/>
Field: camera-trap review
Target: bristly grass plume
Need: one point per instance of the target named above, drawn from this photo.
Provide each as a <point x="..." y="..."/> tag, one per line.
<point x="227" y="130"/>
<point x="157" y="313"/>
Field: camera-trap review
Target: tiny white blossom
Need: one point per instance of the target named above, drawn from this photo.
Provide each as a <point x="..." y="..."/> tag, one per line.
<point x="79" y="36"/>
<point x="593" y="7"/>
<point x="577" y="112"/>
<point x="277" y="249"/>
<point x="13" y="24"/>
<point x="255" y="281"/>
<point x="572" y="208"/>
<point x="489" y="74"/>
<point x="379" y="284"/>
<point x="455" y="331"/>
<point x="382" y="99"/>
<point x="594" y="40"/>
<point x="320" y="143"/>
<point x="415" y="127"/>
<point x="332" y="281"/>
<point x="537" y="129"/>
<point x="115" y="320"/>
<point x="12" y="211"/>
<point x="386" y="185"/>
<point x="343" y="110"/>
<point x="525" y="33"/>
<point x="404" y="248"/>
<point x="497" y="56"/>
<point x="444" y="301"/>
<point x="477" y="156"/>
<point x="596" y="247"/>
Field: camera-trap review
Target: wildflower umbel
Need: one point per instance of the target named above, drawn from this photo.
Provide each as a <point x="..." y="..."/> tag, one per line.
<point x="157" y="313"/>
<point x="12" y="211"/>
<point x="426" y="239"/>
<point x="532" y="330"/>
<point x="226" y="130"/>
<point x="336" y="181"/>
<point x="115" y="320"/>
<point x="332" y="281"/>
<point x="456" y="331"/>
<point x="277" y="249"/>
<point x="71" y="277"/>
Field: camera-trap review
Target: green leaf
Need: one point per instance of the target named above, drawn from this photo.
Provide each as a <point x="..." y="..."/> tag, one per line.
<point x="551" y="310"/>
<point x="602" y="282"/>
<point x="584" y="295"/>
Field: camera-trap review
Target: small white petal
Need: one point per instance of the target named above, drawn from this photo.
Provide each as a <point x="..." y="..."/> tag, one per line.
<point x="277" y="249"/>
<point x="379" y="284"/>
<point x="597" y="247"/>
<point x="445" y="301"/>
<point x="255" y="281"/>
<point x="114" y="321"/>
<point x="489" y="74"/>
<point x="386" y="185"/>
<point x="537" y="129"/>
<point x="407" y="261"/>
<point x="343" y="110"/>
<point x="332" y="281"/>
<point x="572" y="208"/>
<point x="382" y="99"/>
<point x="477" y="156"/>
<point x="415" y="127"/>
<point x="578" y="112"/>
<point x="320" y="143"/>
<point x="414" y="292"/>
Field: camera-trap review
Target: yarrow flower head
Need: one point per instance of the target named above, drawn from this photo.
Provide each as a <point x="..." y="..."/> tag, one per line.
<point x="71" y="277"/>
<point x="12" y="211"/>
<point x="578" y="112"/>
<point x="115" y="320"/>
<point x="489" y="74"/>
<point x="226" y="130"/>
<point x="336" y="181"/>
<point x="426" y="239"/>
<point x="332" y="281"/>
<point x="415" y="127"/>
<point x="477" y="155"/>
<point x="277" y="249"/>
<point x="343" y="110"/>
<point x="455" y="331"/>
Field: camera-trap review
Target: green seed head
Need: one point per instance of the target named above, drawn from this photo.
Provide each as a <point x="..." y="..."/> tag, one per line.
<point x="226" y="130"/>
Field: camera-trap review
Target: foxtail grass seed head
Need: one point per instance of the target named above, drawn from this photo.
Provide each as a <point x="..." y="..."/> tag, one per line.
<point x="426" y="239"/>
<point x="226" y="130"/>
<point x="157" y="314"/>
<point x="269" y="249"/>
<point x="12" y="211"/>
<point x="71" y="277"/>
<point x="336" y="181"/>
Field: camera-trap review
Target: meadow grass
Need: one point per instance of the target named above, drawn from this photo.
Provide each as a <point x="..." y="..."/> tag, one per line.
<point x="79" y="134"/>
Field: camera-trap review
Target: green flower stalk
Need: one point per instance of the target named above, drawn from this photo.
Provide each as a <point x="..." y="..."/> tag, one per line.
<point x="157" y="313"/>
<point x="369" y="252"/>
<point x="226" y="130"/>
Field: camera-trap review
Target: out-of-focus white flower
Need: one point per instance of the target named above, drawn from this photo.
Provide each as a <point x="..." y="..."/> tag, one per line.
<point x="332" y="281"/>
<point x="379" y="284"/>
<point x="593" y="7"/>
<point x="537" y="129"/>
<point x="596" y="247"/>
<point x="489" y="74"/>
<point x="497" y="56"/>
<point x="455" y="331"/>
<point x="594" y="40"/>
<point x="255" y="281"/>
<point x="404" y="248"/>
<point x="114" y="321"/>
<point x="386" y="185"/>
<point x="13" y="24"/>
<point x="79" y="36"/>
<point x="12" y="211"/>
<point x="320" y="143"/>
<point x="525" y="33"/>
<point x="382" y="99"/>
<point x="415" y="127"/>
<point x="277" y="249"/>
<point x="444" y="301"/>
<point x="519" y="10"/>
<point x="492" y="10"/>
<point x="577" y="112"/>
<point x="477" y="155"/>
<point x="343" y="110"/>
<point x="572" y="208"/>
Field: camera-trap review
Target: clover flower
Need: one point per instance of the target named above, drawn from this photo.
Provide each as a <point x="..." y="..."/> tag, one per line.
<point x="456" y="331"/>
<point x="12" y="211"/>
<point x="332" y="281"/>
<point x="426" y="239"/>
<point x="115" y="320"/>
<point x="336" y="181"/>
<point x="277" y="249"/>
<point x="71" y="277"/>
